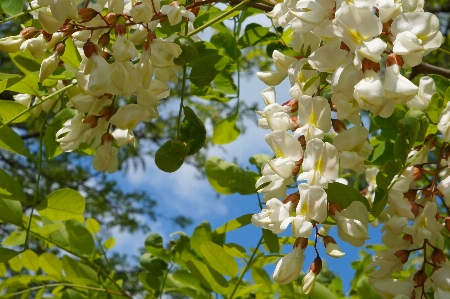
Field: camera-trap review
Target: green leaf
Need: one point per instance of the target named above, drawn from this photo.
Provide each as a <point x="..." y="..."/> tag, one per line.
<point x="219" y="259"/>
<point x="71" y="55"/>
<point x="235" y="250"/>
<point x="15" y="263"/>
<point x="170" y="156"/>
<point x="10" y="188"/>
<point x="192" y="131"/>
<point x="228" y="178"/>
<point x="224" y="83"/>
<point x="271" y="241"/>
<point x="7" y="254"/>
<point x="202" y="233"/>
<point x="12" y="7"/>
<point x="379" y="202"/>
<point x="259" y="159"/>
<point x="435" y="107"/>
<point x="344" y="195"/>
<point x="109" y="243"/>
<point x="52" y="148"/>
<point x="401" y="148"/>
<point x="154" y="265"/>
<point x="207" y="93"/>
<point x="260" y="276"/>
<point x="51" y="265"/>
<point x="226" y="42"/>
<point x="26" y="63"/>
<point x="11" y="141"/>
<point x="150" y="281"/>
<point x="310" y="82"/>
<point x="80" y="239"/>
<point x="382" y="153"/>
<point x="441" y="83"/>
<point x="205" y="69"/>
<point x="423" y="122"/>
<point x="409" y="127"/>
<point x="72" y="294"/>
<point x="322" y="292"/>
<point x="226" y="130"/>
<point x="11" y="212"/>
<point x="254" y="34"/>
<point x="92" y="225"/>
<point x="234" y="224"/>
<point x="10" y="109"/>
<point x="24" y="84"/>
<point x="16" y="238"/>
<point x="30" y="260"/>
<point x="73" y="269"/>
<point x="209" y="277"/>
<point x="387" y="124"/>
<point x="186" y="278"/>
<point x="63" y="204"/>
<point x="154" y="245"/>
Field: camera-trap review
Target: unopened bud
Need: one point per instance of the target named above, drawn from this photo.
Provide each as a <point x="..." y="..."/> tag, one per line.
<point x="67" y="29"/>
<point x="92" y="120"/>
<point x="302" y="242"/>
<point x="105" y="113"/>
<point x="195" y="10"/>
<point x="104" y="40"/>
<point x="394" y="59"/>
<point x="295" y="170"/>
<point x="418" y="173"/>
<point x="410" y="195"/>
<point x="402" y="255"/>
<point x="447" y="223"/>
<point x="327" y="240"/>
<point x="105" y="55"/>
<point x="415" y="208"/>
<point x="408" y="237"/>
<point x="420" y="277"/>
<point x="112" y="18"/>
<point x="316" y="266"/>
<point x="151" y="35"/>
<point x="47" y="36"/>
<point x="90" y="48"/>
<point x="60" y="48"/>
<point x="386" y="27"/>
<point x="334" y="207"/>
<point x="338" y="125"/>
<point x="294" y="198"/>
<point x="29" y="32"/>
<point x="107" y="137"/>
<point x="368" y="64"/>
<point x="87" y="14"/>
<point x="302" y="141"/>
<point x="292" y="105"/>
<point x="121" y="29"/>
<point x="438" y="257"/>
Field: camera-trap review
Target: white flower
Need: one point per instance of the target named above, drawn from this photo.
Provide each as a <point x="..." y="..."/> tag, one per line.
<point x="75" y="129"/>
<point x="397" y="88"/>
<point x="426" y="90"/>
<point x="444" y="123"/>
<point x="163" y="53"/>
<point x="105" y="159"/>
<point x="142" y="12"/>
<point x="37" y="46"/>
<point x="123" y="49"/>
<point x="11" y="44"/>
<point x="313" y="203"/>
<point x="23" y="99"/>
<point x="284" y="145"/>
<point x="175" y="13"/>
<point x="289" y="267"/>
<point x="129" y="116"/>
<point x="352" y="223"/>
<point x="48" y="66"/>
<point x="441" y="282"/>
<point x="274" y="217"/>
<point x="314" y="115"/>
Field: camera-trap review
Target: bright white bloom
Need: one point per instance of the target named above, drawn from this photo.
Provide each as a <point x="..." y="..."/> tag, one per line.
<point x="425" y="225"/>
<point x="175" y="13"/>
<point x="397" y="88"/>
<point x="327" y="58"/>
<point x="23" y="99"/>
<point x="313" y="202"/>
<point x="48" y="66"/>
<point x="82" y="102"/>
<point x="64" y="9"/>
<point x="142" y="12"/>
<point x="441" y="283"/>
<point x="289" y="267"/>
<point x="426" y="90"/>
<point x="163" y="53"/>
<point x="75" y="129"/>
<point x="37" y="46"/>
<point x="277" y="185"/>
<point x="353" y="148"/>
<point x="123" y="137"/>
<point x="105" y="159"/>
<point x="444" y="187"/>
<point x="308" y="283"/>
<point x="444" y="123"/>
<point x="320" y="165"/>
<point x="352" y="224"/>
<point x="333" y="250"/>
<point x="398" y="202"/>
<point x="100" y="76"/>
<point x="125" y="78"/>
<point x="284" y="145"/>
<point x="274" y="217"/>
<point x="298" y="76"/>
<point x="48" y="21"/>
<point x="314" y="115"/>
<point x="390" y="288"/>
<point x="11" y="44"/>
<point x="386" y="263"/>
<point x="275" y="117"/>
<point x="129" y="116"/>
<point x="301" y="227"/>
<point x="281" y="63"/>
<point x="123" y="49"/>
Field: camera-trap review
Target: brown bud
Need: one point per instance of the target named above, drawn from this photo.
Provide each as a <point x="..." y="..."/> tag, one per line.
<point x="386" y="27"/>
<point x="87" y="14"/>
<point x="402" y="255"/>
<point x="151" y="35"/>
<point x="368" y="64"/>
<point x="105" y="55"/>
<point x="295" y="170"/>
<point x="327" y="240"/>
<point x="415" y="208"/>
<point x="112" y="18"/>
<point x="195" y="10"/>
<point x="302" y="141"/>
<point x="410" y="194"/>
<point x="107" y="137"/>
<point x="344" y="47"/>
<point x="316" y="266"/>
<point x="408" y="237"/>
<point x="292" y="105"/>
<point x="60" y="48"/>
<point x="394" y="59"/>
<point x="92" y="120"/>
<point x="338" y="125"/>
<point x="47" y="36"/>
<point x="29" y="32"/>
<point x="447" y="223"/>
<point x="105" y="113"/>
<point x="90" y="48"/>
<point x="302" y="242"/>
<point x="67" y="29"/>
<point x="438" y="257"/>
<point x="294" y="198"/>
<point x="420" y="277"/>
<point x="418" y="173"/>
<point x="334" y="207"/>
<point x="120" y="29"/>
<point x="104" y="40"/>
<point x="295" y="121"/>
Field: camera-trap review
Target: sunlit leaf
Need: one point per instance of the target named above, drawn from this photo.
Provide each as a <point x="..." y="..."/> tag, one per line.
<point x="209" y="277"/>
<point x="51" y="265"/>
<point x="234" y="224"/>
<point x="63" y="204"/>
<point x="170" y="156"/>
<point x="10" y="188"/>
<point x="80" y="239"/>
<point x="10" y="109"/>
<point x="219" y="259"/>
<point x="11" y="211"/>
<point x="226" y="130"/>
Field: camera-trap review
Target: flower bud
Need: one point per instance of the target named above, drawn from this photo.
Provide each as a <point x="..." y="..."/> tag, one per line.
<point x="402" y="255"/>
<point x="90" y="48"/>
<point x="106" y="113"/>
<point x="447" y="223"/>
<point x="92" y="120"/>
<point x="48" y="66"/>
<point x="87" y="14"/>
<point x="67" y="29"/>
<point x="420" y="277"/>
<point x="418" y="173"/>
<point x="438" y="257"/>
<point x="29" y="32"/>
<point x="104" y="40"/>
<point x="344" y="47"/>
<point x="302" y="141"/>
<point x="120" y="29"/>
<point x="295" y="170"/>
<point x="368" y="64"/>
<point x="316" y="265"/>
<point x="301" y="242"/>
<point x="338" y="125"/>
<point x="331" y="247"/>
<point x="408" y="237"/>
<point x="410" y="194"/>
<point x="107" y="137"/>
<point x="394" y="59"/>
<point x="294" y="198"/>
<point x="415" y="208"/>
<point x="112" y="18"/>
<point x="60" y="48"/>
<point x="334" y="207"/>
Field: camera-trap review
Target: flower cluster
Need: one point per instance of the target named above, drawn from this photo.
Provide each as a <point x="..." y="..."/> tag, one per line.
<point x="107" y="35"/>
<point x="355" y="50"/>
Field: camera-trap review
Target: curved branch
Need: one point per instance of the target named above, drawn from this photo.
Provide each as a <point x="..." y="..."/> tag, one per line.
<point x="426" y="69"/>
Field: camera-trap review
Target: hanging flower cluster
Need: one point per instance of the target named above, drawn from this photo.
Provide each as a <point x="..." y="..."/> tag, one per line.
<point x="107" y="35"/>
<point x="357" y="51"/>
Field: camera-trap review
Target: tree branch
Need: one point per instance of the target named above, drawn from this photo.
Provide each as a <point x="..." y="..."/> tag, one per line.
<point x="426" y="69"/>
